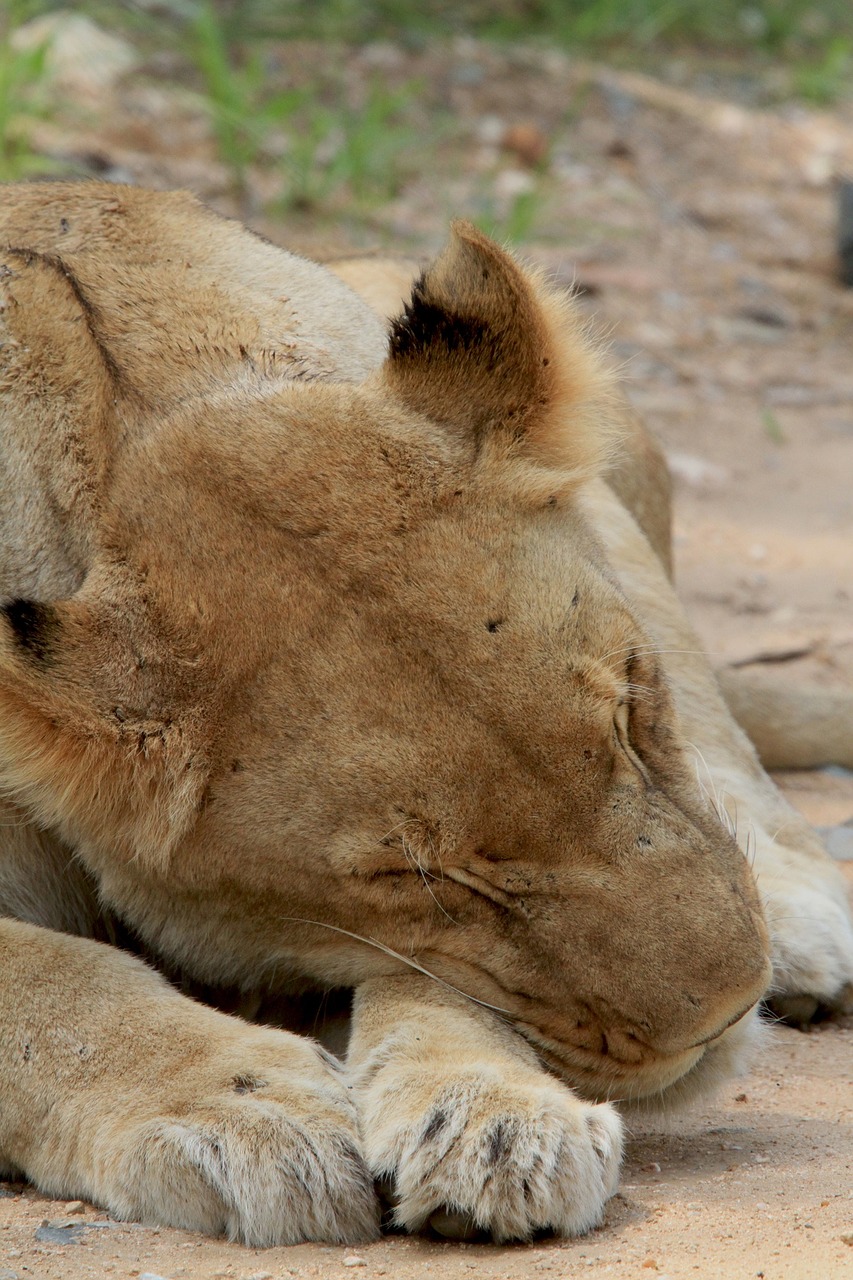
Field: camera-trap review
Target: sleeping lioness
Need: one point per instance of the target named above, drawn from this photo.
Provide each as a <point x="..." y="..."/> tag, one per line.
<point x="336" y="654"/>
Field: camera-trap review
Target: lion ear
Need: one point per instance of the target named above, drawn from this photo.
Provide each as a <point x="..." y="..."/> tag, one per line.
<point x="485" y="348"/>
<point x="80" y="750"/>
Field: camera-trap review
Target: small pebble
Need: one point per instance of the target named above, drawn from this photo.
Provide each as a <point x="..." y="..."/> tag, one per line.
<point x="839" y="842"/>
<point x="353" y="1260"/>
<point x="75" y="1206"/>
<point x="652" y="1167"/>
<point x="151" y="1275"/>
<point x="527" y="142"/>
<point x="698" y="473"/>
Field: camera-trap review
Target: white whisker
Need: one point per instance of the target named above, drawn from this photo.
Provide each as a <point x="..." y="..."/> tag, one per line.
<point x="389" y="951"/>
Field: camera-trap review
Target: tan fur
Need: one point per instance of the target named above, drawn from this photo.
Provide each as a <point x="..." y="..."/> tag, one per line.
<point x="332" y="660"/>
<point x="793" y="726"/>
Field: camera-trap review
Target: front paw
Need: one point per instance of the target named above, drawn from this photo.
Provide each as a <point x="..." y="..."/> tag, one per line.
<point x="266" y="1153"/>
<point x="812" y="947"/>
<point x="471" y="1152"/>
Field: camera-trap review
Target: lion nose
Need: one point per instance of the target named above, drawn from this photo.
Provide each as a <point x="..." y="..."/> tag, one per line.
<point x="715" y="1035"/>
<point x="726" y="1009"/>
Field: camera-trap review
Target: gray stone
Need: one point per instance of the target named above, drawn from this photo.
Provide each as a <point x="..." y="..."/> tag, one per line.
<point x="47" y="1234"/>
<point x="839" y="841"/>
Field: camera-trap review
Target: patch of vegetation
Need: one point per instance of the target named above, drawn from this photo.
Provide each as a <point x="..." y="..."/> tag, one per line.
<point x="311" y="140"/>
<point x="518" y="221"/>
<point x="773" y="427"/>
<point x="793" y="26"/>
<point x="21" y="101"/>
<point x="812" y="38"/>
<point x="823" y="82"/>
<point x="795" y="29"/>
<point x="321" y="148"/>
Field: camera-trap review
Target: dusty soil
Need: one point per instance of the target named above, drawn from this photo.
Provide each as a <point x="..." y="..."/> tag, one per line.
<point x="702" y="233"/>
<point x="759" y="1184"/>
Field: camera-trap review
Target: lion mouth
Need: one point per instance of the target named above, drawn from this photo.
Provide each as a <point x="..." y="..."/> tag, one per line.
<point x="661" y="1079"/>
<point x="602" y="1077"/>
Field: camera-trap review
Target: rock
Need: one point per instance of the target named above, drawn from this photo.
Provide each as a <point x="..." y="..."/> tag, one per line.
<point x="6" y="1274"/>
<point x="81" y="59"/>
<point x="527" y="142"/>
<point x="490" y="129"/>
<point x="383" y="55"/>
<point x="75" y="1206"/>
<point x="735" y="330"/>
<point x="837" y="771"/>
<point x="774" y="317"/>
<point x="151" y="1275"/>
<point x="839" y="841"/>
<point x="50" y="1233"/>
<point x="512" y="183"/>
<point x="697" y="472"/>
<point x="353" y="1260"/>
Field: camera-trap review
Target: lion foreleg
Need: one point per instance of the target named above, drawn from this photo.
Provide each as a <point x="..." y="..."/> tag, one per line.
<point x="461" y="1122"/>
<point x="118" y="1089"/>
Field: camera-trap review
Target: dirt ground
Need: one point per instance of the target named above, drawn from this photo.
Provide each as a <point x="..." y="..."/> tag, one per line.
<point x="701" y="230"/>
<point x="760" y="1183"/>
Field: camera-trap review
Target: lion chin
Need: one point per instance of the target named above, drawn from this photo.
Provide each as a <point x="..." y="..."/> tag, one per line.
<point x="339" y="650"/>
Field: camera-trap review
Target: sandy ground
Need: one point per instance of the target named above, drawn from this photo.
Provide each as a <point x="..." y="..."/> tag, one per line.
<point x="759" y="1184"/>
<point x="702" y="233"/>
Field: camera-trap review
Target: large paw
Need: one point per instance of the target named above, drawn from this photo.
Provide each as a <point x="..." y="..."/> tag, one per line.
<point x="812" y="946"/>
<point x="265" y="1153"/>
<point x="473" y="1153"/>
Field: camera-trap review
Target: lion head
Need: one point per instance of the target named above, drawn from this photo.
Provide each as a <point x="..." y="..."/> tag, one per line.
<point x="348" y="684"/>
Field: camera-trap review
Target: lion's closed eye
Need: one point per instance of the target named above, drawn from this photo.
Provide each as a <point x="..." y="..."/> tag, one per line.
<point x="480" y="884"/>
<point x="622" y="733"/>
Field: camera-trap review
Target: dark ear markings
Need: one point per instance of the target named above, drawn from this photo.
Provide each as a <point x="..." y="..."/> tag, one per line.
<point x="425" y="326"/>
<point x="33" y="625"/>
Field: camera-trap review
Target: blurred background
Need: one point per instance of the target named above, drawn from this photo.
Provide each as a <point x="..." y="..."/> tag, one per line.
<point x="382" y="117"/>
<point x="680" y="163"/>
